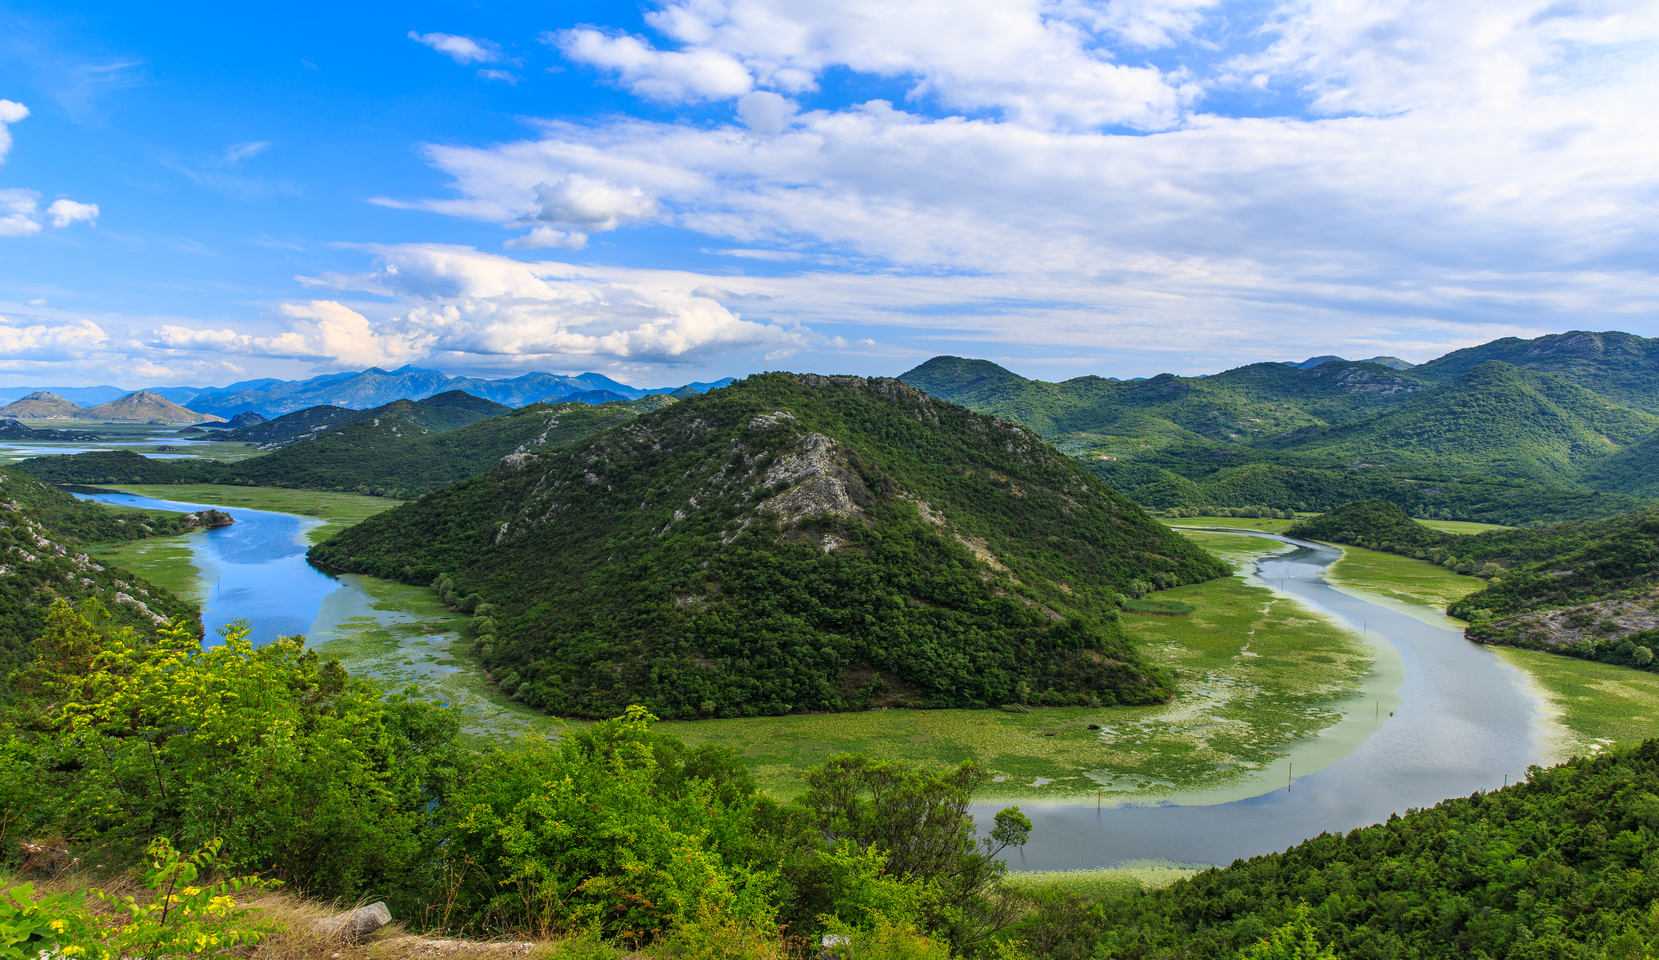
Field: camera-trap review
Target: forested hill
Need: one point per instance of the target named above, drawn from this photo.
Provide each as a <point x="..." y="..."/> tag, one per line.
<point x="791" y="543"/>
<point x="43" y="532"/>
<point x="1511" y="432"/>
<point x="382" y="456"/>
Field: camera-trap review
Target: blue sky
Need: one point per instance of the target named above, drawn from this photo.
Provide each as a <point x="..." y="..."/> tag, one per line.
<point x="700" y="188"/>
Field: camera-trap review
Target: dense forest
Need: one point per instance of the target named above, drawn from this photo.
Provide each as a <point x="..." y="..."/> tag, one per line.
<point x="791" y="543"/>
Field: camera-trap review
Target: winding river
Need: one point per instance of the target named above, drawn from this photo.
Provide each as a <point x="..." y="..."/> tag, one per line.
<point x="1464" y="721"/>
<point x="1461" y="720"/>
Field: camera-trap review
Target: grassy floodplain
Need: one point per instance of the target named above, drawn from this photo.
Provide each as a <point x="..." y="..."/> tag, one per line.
<point x="337" y="510"/>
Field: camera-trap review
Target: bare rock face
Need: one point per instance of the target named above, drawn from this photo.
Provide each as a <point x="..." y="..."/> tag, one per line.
<point x="354" y="926"/>
<point x="818" y="481"/>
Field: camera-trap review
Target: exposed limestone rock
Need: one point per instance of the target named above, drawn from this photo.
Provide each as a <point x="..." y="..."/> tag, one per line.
<point x="818" y="482"/>
<point x="354" y="926"/>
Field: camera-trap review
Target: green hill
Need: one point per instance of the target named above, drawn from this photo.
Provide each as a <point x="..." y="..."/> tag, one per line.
<point x="42" y="558"/>
<point x="1633" y="470"/>
<point x="1496" y="419"/>
<point x="1238" y="405"/>
<point x="791" y="543"/>
<point x="446" y="411"/>
<point x="1620" y="366"/>
<point x="382" y="456"/>
<point x="1555" y="867"/>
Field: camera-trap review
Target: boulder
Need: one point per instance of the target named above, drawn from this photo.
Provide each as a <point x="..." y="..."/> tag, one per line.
<point x="354" y="925"/>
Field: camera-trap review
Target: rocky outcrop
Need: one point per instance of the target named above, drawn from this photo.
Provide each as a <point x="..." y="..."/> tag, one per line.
<point x="354" y="926"/>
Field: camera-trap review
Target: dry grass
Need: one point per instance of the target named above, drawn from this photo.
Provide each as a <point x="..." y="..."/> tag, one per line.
<point x="289" y="921"/>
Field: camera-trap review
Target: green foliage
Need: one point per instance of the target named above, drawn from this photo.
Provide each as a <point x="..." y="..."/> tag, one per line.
<point x="1558" y="866"/>
<point x="306" y="773"/>
<point x="180" y="918"/>
<point x="1618" y="366"/>
<point x="652" y="565"/>
<point x="31" y="926"/>
<point x="610" y="830"/>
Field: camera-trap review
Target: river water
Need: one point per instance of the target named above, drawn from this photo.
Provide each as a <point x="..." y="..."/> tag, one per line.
<point x="254" y="569"/>
<point x="1465" y="720"/>
<point x="1462" y="720"/>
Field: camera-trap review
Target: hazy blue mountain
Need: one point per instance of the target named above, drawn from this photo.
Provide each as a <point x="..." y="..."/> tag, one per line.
<point x="81" y="396"/>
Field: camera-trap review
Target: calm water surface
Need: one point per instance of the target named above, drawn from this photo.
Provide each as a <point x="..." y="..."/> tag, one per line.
<point x="1466" y="720"/>
<point x="253" y="569"/>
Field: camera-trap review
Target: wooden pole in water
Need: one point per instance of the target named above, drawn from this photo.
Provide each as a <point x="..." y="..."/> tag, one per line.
<point x="1290" y="776"/>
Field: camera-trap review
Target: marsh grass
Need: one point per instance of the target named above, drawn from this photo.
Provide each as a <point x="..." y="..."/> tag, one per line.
<point x="1462" y="526"/>
<point x="1598" y="703"/>
<point x="1241" y="523"/>
<point x="1107" y="882"/>
<point x="1257" y="673"/>
<point x="1405" y="579"/>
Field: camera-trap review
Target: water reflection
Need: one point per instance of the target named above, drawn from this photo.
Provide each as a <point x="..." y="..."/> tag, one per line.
<point x="253" y="569"/>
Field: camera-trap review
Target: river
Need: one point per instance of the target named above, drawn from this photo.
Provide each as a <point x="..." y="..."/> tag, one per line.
<point x="1465" y="721"/>
<point x="1462" y="720"/>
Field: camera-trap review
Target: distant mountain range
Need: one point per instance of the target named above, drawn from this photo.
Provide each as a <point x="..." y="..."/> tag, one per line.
<point x="368" y="388"/>
<point x="140" y="407"/>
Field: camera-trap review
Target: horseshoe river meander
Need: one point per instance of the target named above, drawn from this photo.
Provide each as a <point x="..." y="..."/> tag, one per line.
<point x="1439" y="717"/>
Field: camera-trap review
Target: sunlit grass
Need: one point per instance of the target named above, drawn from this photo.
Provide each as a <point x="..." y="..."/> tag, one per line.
<point x="1406" y="579"/>
<point x="1599" y="703"/>
<point x="1098" y="884"/>
<point x="1462" y="526"/>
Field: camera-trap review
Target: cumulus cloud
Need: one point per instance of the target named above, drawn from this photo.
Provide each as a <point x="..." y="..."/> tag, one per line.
<point x="456" y="304"/>
<point x="766" y="112"/>
<point x="1423" y="175"/>
<point x="44" y="342"/>
<point x="674" y="76"/>
<point x="65" y="212"/>
<point x="548" y="237"/>
<point x="462" y="50"/>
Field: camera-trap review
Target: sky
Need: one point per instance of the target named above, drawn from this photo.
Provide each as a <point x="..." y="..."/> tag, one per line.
<point x="682" y="190"/>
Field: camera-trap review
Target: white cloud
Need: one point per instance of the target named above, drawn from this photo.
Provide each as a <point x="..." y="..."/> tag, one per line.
<point x="19" y="208"/>
<point x="1038" y="63"/>
<point x="548" y="237"/>
<point x="17" y="212"/>
<point x="765" y="112"/>
<point x="591" y="204"/>
<point x="321" y="330"/>
<point x="65" y="212"/>
<point x="503" y="75"/>
<point x="696" y="74"/>
<point x="462" y="50"/>
<point x="42" y="342"/>
<point x="1489" y="174"/>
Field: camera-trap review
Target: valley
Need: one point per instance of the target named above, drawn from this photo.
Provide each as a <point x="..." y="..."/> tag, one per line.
<point x="793" y="570"/>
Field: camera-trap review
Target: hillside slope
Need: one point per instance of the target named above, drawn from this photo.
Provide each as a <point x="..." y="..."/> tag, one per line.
<point x="1497" y="419"/>
<point x="791" y="543"/>
<point x="445" y="411"/>
<point x="1620" y="366"/>
<point x="42" y="530"/>
<point x="146" y="407"/>
<point x="41" y="405"/>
